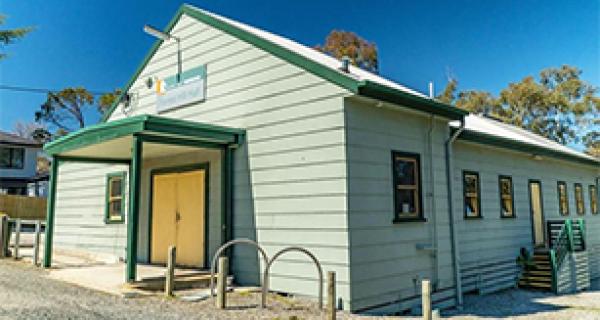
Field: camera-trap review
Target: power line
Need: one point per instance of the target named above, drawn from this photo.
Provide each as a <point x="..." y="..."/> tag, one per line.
<point x="42" y="90"/>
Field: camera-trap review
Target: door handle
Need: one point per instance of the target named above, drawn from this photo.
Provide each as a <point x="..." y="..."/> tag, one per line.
<point x="177" y="216"/>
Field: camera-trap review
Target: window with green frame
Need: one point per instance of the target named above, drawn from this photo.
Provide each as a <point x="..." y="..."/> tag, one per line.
<point x="472" y="195"/>
<point x="507" y="202"/>
<point x="579" y="202"/>
<point x="593" y="199"/>
<point x="115" y="198"/>
<point x="563" y="198"/>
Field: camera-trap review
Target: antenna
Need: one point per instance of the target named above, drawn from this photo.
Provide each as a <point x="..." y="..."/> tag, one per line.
<point x="431" y="93"/>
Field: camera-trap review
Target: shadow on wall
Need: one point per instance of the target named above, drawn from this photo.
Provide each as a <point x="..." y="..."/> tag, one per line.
<point x="246" y="264"/>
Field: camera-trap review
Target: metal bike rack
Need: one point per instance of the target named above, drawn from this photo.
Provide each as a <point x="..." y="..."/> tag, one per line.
<point x="265" y="287"/>
<point x="227" y="245"/>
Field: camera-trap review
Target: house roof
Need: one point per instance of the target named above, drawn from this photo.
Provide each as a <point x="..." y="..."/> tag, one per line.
<point x="357" y="81"/>
<point x="490" y="131"/>
<point x="13" y="139"/>
<point x="366" y="84"/>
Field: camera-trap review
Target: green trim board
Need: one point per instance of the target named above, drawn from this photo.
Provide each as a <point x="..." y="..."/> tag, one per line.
<point x="51" y="209"/>
<point x="381" y="92"/>
<point x="506" y="143"/>
<point x="135" y="172"/>
<point x="148" y="124"/>
<point x="183" y="168"/>
<point x="94" y="160"/>
<point x="346" y="81"/>
<point x="179" y="141"/>
<point x="107" y="216"/>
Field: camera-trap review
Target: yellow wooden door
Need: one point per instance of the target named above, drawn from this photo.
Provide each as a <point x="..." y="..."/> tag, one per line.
<point x="164" y="207"/>
<point x="190" y="224"/>
<point x="537" y="217"/>
<point x="178" y="217"/>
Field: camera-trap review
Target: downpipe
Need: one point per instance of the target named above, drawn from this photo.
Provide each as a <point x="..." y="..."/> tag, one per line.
<point x="431" y="195"/>
<point x="453" y="238"/>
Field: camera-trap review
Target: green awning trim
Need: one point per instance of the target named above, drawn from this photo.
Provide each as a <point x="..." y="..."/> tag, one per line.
<point x="346" y="81"/>
<point x="489" y="140"/>
<point x="145" y="124"/>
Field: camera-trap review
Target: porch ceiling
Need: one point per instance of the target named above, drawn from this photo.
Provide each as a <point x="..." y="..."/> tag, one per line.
<point x="114" y="139"/>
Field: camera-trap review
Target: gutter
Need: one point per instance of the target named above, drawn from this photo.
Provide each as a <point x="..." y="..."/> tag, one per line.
<point x="453" y="238"/>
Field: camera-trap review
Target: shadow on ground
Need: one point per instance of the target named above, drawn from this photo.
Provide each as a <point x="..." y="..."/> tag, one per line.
<point x="526" y="303"/>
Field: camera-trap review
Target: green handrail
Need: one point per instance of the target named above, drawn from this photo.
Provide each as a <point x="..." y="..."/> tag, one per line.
<point x="554" y="273"/>
<point x="569" y="226"/>
<point x="564" y="243"/>
<point x="558" y="252"/>
<point x="581" y="223"/>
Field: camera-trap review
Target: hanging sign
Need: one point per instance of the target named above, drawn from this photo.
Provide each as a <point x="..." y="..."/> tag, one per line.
<point x="191" y="88"/>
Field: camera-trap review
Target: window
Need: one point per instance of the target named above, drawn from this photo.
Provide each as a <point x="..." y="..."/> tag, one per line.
<point x="472" y="194"/>
<point x="579" y="202"/>
<point x="12" y="158"/>
<point x="563" y="199"/>
<point x="407" y="186"/>
<point x="507" y="204"/>
<point x="115" y="198"/>
<point x="593" y="199"/>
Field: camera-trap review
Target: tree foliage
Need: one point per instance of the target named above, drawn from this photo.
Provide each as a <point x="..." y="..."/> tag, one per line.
<point x="9" y="36"/>
<point x="64" y="111"/>
<point x="107" y="100"/>
<point x="361" y="52"/>
<point x="558" y="105"/>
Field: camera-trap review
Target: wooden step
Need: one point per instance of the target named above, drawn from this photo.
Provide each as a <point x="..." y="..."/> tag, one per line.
<point x="536" y="278"/>
<point x="538" y="273"/>
<point x="535" y="285"/>
<point x="543" y="286"/>
<point x="182" y="282"/>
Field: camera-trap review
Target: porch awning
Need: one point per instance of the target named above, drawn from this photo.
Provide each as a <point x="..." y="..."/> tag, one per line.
<point x="114" y="139"/>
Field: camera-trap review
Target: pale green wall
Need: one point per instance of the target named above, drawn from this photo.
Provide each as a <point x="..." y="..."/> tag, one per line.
<point x="80" y="205"/>
<point x="289" y="182"/>
<point x="492" y="243"/>
<point x="384" y="257"/>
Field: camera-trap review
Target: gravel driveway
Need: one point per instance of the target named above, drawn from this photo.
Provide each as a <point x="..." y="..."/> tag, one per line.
<point x="26" y="293"/>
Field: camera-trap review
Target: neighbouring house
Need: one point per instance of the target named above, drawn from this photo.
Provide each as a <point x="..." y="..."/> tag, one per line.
<point x="263" y="138"/>
<point x="19" y="173"/>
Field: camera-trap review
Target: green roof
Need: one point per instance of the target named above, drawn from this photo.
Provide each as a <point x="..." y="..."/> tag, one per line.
<point x="145" y="124"/>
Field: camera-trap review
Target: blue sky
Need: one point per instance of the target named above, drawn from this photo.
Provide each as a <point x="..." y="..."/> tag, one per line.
<point x="485" y="44"/>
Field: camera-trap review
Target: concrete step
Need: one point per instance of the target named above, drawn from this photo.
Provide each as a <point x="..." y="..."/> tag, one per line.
<point x="182" y="282"/>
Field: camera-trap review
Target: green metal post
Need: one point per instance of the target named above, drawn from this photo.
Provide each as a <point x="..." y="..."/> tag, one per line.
<point x="570" y="235"/>
<point x="581" y="222"/>
<point x="51" y="204"/>
<point x="554" y="270"/>
<point x="134" y="199"/>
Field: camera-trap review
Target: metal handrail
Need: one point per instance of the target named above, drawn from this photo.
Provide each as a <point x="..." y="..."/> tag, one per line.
<point x="564" y="243"/>
<point x="297" y="249"/>
<point x="581" y="223"/>
<point x="227" y="245"/>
